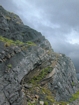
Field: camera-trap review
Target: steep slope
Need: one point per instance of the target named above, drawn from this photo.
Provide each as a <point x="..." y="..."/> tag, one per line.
<point x="31" y="73"/>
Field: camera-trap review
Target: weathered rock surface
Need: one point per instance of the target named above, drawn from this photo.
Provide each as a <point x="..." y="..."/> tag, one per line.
<point x="22" y="63"/>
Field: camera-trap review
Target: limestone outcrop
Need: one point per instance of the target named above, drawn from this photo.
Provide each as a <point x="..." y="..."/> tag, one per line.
<point x="31" y="73"/>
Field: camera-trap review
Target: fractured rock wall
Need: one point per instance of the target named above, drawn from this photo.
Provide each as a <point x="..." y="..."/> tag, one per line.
<point x="17" y="60"/>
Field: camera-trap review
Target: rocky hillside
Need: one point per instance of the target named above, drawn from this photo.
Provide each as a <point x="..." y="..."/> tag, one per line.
<point x="31" y="73"/>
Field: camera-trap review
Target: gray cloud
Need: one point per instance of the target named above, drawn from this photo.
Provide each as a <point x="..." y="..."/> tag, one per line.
<point x="55" y="19"/>
<point x="8" y="5"/>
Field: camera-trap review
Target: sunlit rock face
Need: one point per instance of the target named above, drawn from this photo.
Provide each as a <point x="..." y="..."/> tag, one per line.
<point x="28" y="65"/>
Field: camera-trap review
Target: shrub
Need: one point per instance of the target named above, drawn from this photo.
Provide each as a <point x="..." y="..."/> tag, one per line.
<point x="9" y="66"/>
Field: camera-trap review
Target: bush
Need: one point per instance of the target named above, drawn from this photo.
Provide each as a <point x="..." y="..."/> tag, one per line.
<point x="9" y="66"/>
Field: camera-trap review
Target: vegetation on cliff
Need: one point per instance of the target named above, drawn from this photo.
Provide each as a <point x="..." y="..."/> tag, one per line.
<point x="9" y="42"/>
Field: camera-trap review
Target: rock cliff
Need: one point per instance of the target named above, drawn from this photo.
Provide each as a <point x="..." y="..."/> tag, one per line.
<point x="31" y="73"/>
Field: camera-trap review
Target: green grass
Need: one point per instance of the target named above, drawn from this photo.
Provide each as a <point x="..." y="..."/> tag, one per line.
<point x="62" y="103"/>
<point x="29" y="103"/>
<point x="41" y="75"/>
<point x="74" y="97"/>
<point x="9" y="42"/>
<point x="46" y="103"/>
<point x="30" y="43"/>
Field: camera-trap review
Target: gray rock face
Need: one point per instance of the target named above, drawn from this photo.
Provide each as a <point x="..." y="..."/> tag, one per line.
<point x="12" y="27"/>
<point x="16" y="61"/>
<point x="64" y="80"/>
<point x="10" y="77"/>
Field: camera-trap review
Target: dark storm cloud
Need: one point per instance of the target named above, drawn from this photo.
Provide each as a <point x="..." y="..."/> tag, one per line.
<point x="58" y="20"/>
<point x="60" y="11"/>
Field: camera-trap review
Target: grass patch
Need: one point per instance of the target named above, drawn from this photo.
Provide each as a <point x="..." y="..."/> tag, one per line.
<point x="46" y="103"/>
<point x="74" y="97"/>
<point x="9" y="42"/>
<point x="41" y="75"/>
<point x="29" y="103"/>
<point x="48" y="94"/>
<point x="62" y="103"/>
<point x="30" y="43"/>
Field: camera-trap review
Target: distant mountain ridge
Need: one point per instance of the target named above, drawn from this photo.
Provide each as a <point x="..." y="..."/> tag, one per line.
<point x="31" y="73"/>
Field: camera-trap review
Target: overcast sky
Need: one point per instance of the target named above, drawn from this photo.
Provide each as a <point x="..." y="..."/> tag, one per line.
<point x="57" y="20"/>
